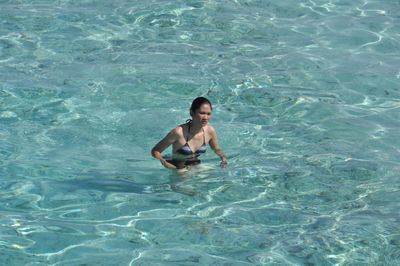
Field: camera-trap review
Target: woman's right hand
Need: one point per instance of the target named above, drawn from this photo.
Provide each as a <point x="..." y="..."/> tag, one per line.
<point x="167" y="164"/>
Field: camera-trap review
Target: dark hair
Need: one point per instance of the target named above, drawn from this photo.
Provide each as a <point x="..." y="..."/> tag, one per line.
<point x="197" y="103"/>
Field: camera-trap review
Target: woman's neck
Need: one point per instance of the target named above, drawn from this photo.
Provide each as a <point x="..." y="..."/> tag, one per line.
<point x="194" y="127"/>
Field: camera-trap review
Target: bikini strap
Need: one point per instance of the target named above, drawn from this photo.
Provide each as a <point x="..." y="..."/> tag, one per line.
<point x="188" y="132"/>
<point x="187" y="135"/>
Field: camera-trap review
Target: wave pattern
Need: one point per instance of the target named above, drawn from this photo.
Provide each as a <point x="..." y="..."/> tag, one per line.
<point x="306" y="103"/>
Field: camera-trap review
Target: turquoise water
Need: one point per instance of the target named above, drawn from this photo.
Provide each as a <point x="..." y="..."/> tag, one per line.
<point x="306" y="105"/>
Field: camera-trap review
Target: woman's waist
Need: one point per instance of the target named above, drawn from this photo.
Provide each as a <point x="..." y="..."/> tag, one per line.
<point x="184" y="163"/>
<point x="180" y="157"/>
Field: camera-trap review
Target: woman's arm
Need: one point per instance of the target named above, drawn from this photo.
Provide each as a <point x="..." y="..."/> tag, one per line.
<point x="169" y="139"/>
<point x="216" y="148"/>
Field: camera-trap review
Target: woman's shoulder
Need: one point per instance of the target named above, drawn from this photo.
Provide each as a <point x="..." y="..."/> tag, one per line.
<point x="209" y="128"/>
<point x="178" y="130"/>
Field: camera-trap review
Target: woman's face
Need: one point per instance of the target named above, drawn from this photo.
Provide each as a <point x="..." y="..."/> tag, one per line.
<point x="203" y="114"/>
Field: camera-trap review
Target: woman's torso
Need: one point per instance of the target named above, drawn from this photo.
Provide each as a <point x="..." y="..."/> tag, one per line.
<point x="189" y="146"/>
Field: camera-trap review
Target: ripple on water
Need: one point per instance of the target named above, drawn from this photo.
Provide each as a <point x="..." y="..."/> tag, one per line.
<point x="8" y="49"/>
<point x="305" y="100"/>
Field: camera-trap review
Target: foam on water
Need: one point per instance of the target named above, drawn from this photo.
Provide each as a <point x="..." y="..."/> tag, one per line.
<point x="306" y="104"/>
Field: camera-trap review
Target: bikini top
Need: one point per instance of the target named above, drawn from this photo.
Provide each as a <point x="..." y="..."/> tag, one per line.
<point x="186" y="150"/>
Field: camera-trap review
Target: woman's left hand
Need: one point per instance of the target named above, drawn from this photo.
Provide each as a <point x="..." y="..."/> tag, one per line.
<point x="224" y="162"/>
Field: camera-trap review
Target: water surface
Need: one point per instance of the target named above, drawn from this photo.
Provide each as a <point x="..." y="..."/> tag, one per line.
<point x="306" y="105"/>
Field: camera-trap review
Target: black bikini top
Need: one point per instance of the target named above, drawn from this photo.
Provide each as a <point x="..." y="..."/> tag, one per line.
<point x="186" y="150"/>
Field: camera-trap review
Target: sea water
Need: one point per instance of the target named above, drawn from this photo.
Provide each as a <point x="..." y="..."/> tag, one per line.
<point x="306" y="104"/>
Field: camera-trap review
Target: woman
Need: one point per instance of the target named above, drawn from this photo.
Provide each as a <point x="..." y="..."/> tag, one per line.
<point x="189" y="140"/>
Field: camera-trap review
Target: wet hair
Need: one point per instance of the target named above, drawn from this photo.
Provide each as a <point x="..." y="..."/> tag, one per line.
<point x="197" y="103"/>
